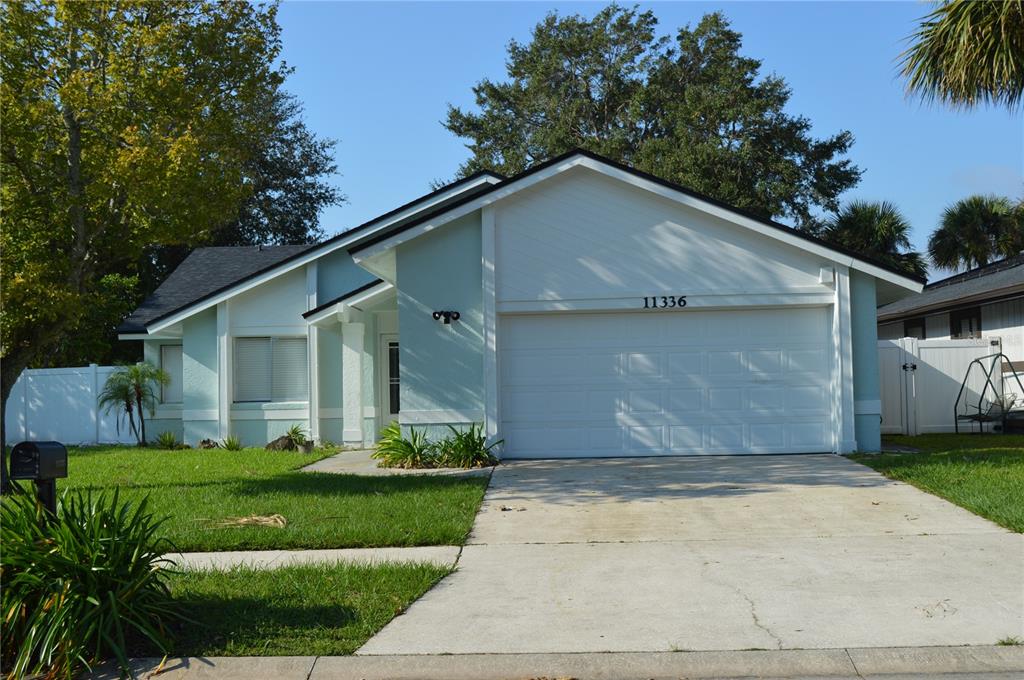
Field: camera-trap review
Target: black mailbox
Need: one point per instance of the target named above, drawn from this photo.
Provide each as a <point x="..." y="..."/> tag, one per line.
<point x="39" y="461"/>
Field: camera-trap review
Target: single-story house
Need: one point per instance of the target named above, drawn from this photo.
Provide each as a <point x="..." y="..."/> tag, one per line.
<point x="580" y="308"/>
<point x="979" y="303"/>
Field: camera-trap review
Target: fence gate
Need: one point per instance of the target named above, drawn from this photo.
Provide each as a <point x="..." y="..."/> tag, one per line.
<point x="920" y="380"/>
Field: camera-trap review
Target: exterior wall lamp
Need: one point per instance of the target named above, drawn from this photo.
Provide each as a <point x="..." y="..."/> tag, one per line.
<point x="448" y="316"/>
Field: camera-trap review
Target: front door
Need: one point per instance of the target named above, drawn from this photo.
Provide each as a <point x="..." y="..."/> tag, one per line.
<point x="389" y="378"/>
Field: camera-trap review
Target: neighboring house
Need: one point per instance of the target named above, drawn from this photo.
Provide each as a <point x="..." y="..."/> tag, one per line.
<point x="979" y="303"/>
<point x="581" y="308"/>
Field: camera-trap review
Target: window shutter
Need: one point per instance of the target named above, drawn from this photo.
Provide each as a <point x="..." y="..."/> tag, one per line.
<point x="291" y="371"/>
<point x="252" y="369"/>
<point x="170" y="361"/>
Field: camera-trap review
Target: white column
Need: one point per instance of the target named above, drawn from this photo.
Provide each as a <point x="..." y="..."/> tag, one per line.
<point x="841" y="333"/>
<point x="224" y="378"/>
<point x="490" y="324"/>
<point x="352" y="335"/>
<point x="312" y="352"/>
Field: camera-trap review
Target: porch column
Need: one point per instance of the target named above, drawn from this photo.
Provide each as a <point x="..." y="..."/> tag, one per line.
<point x="352" y="335"/>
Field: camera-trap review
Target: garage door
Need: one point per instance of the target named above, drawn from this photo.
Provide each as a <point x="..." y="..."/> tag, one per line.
<point x="665" y="383"/>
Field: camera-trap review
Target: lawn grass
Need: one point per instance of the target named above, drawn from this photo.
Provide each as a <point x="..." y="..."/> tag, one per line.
<point x="982" y="473"/>
<point x="300" y="610"/>
<point x="198" y="489"/>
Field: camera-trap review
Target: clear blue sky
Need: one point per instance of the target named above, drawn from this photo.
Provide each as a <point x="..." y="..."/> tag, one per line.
<point x="378" y="77"/>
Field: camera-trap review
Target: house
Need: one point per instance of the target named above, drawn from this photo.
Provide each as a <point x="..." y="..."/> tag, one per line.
<point x="980" y="303"/>
<point x="580" y="308"/>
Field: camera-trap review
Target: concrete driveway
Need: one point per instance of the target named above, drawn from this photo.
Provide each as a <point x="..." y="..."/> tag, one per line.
<point x="712" y="553"/>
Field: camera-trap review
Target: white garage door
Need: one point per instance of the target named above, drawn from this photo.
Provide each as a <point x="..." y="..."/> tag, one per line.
<point x="665" y="383"/>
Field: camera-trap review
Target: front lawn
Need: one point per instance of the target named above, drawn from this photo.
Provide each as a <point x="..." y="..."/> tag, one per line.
<point x="983" y="473"/>
<point x="204" y="492"/>
<point x="301" y="610"/>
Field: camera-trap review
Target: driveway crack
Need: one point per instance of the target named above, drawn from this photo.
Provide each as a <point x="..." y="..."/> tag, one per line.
<point x="749" y="600"/>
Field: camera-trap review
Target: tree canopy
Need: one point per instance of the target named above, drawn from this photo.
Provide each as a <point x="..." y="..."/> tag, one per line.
<point x="693" y="110"/>
<point x="977" y="230"/>
<point x="877" y="230"/>
<point x="128" y="126"/>
<point x="967" y="53"/>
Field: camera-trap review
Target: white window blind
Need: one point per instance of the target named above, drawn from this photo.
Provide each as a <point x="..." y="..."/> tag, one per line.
<point x="170" y="361"/>
<point x="271" y="369"/>
<point x="252" y="369"/>
<point x="290" y="373"/>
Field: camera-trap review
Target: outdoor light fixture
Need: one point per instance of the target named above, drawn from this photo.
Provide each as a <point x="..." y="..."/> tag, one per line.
<point x="448" y="316"/>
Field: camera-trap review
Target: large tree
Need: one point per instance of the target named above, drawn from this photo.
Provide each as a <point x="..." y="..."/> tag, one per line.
<point x="977" y="230"/>
<point x="876" y="230"/>
<point x="968" y="52"/>
<point x="124" y="125"/>
<point x="692" y="110"/>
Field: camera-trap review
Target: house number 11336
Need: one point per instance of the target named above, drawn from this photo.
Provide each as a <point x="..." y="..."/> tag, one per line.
<point x="664" y="301"/>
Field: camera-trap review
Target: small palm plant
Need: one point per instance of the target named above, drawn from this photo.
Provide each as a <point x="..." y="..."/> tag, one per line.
<point x="133" y="390"/>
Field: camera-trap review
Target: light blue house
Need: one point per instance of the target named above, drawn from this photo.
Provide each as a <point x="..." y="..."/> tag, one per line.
<point x="581" y="308"/>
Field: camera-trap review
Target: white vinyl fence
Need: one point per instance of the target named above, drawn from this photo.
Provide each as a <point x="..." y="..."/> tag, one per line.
<point x="920" y="380"/>
<point x="59" y="404"/>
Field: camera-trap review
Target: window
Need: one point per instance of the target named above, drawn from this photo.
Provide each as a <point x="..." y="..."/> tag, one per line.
<point x="170" y="361"/>
<point x="271" y="369"/>
<point x="914" y="328"/>
<point x="393" y="385"/>
<point x="965" y="323"/>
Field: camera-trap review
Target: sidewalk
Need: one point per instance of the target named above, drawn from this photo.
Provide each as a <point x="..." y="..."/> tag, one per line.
<point x="272" y="559"/>
<point x="888" y="663"/>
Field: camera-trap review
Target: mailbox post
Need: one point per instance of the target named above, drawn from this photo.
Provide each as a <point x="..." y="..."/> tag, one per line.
<point x="43" y="463"/>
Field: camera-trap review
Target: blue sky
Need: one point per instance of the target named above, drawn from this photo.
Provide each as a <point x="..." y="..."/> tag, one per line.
<point x="377" y="77"/>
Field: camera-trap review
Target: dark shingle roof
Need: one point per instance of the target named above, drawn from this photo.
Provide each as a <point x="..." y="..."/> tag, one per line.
<point x="991" y="281"/>
<point x="204" y="272"/>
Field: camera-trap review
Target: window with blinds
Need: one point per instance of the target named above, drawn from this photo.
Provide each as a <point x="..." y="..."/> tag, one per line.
<point x="170" y="361"/>
<point x="271" y="369"/>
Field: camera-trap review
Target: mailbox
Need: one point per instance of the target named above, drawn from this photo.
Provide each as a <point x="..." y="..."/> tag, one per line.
<point x="39" y="461"/>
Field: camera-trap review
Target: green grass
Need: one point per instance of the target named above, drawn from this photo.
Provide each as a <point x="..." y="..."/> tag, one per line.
<point x="197" y="489"/>
<point x="982" y="473"/>
<point x="300" y="610"/>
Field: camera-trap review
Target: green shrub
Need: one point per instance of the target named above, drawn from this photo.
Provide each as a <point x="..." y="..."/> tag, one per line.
<point x="466" y="449"/>
<point x="167" y="440"/>
<point x="80" y="587"/>
<point x="296" y="436"/>
<point x="395" y="450"/>
<point x="232" y="443"/>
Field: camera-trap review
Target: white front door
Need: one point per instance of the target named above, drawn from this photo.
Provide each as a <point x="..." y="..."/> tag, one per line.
<point x="389" y="378"/>
<point x="666" y="383"/>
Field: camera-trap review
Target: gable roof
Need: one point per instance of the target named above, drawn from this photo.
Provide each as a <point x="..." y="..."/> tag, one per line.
<point x="180" y="296"/>
<point x="993" y="281"/>
<point x="508" y="186"/>
<point x="203" y="272"/>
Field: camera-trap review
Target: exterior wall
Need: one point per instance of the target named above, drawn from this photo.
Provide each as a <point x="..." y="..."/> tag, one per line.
<point x="168" y="416"/>
<point x="199" y="377"/>
<point x="1005" y="320"/>
<point x="866" y="388"/>
<point x="273" y="308"/>
<point x="329" y="366"/>
<point x="583" y="235"/>
<point x="936" y="327"/>
<point x="337" y="274"/>
<point x="442" y="365"/>
<point x="890" y="331"/>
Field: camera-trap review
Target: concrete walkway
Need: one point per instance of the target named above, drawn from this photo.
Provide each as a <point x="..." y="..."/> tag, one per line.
<point x="711" y="553"/>
<point x="988" y="663"/>
<point x="361" y="463"/>
<point x="272" y="559"/>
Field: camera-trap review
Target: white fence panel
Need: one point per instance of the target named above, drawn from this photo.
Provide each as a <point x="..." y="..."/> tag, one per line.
<point x="60" y="404"/>
<point x="920" y="380"/>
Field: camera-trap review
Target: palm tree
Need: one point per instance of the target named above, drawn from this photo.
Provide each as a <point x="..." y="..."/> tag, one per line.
<point x="878" y="231"/>
<point x="133" y="389"/>
<point x="977" y="230"/>
<point x="967" y="52"/>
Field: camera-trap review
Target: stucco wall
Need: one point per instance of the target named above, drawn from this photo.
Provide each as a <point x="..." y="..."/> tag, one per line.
<point x="864" y="342"/>
<point x="199" y="377"/>
<point x="337" y="274"/>
<point x="442" y="365"/>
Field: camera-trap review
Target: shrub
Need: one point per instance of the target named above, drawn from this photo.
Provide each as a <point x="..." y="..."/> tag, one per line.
<point x="466" y="448"/>
<point x="81" y="586"/>
<point x="232" y="443"/>
<point x="296" y="437"/>
<point x="167" y="440"/>
<point x="395" y="450"/>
